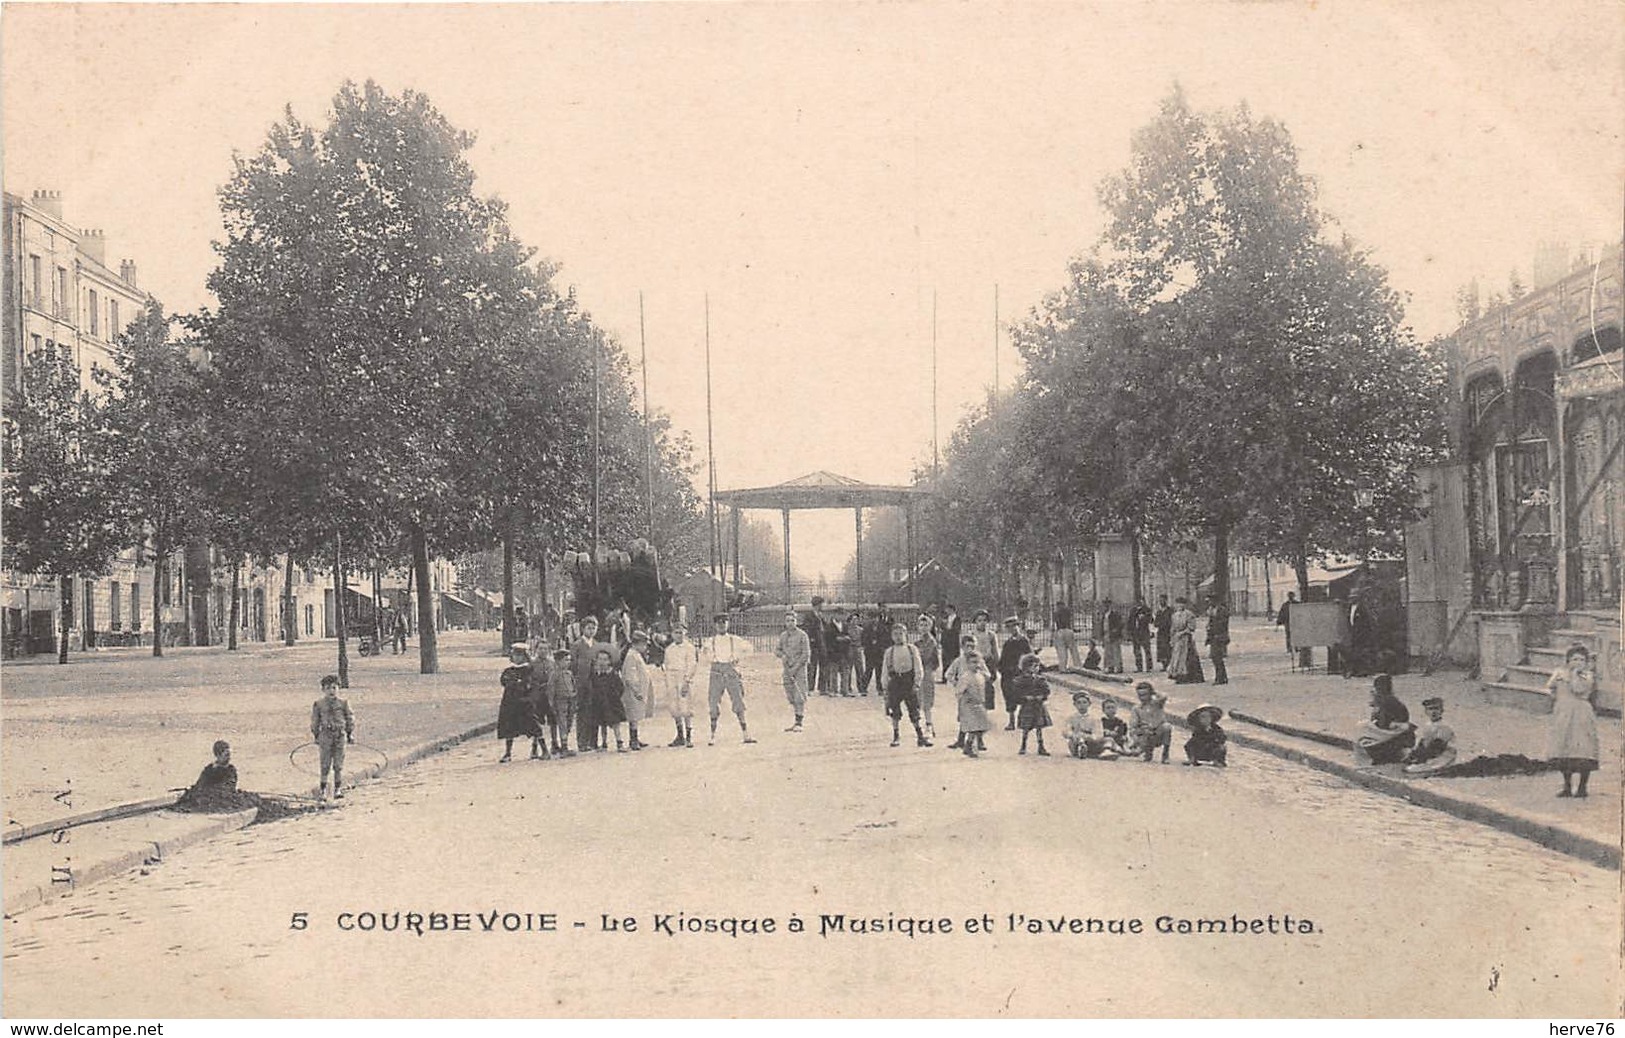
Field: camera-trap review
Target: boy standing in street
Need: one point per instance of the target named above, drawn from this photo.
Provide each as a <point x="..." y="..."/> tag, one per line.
<point x="331" y="727"/>
<point x="796" y="655"/>
<point x="721" y="656"/>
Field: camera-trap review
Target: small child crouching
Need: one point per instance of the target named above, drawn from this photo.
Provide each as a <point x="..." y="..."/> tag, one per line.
<point x="1207" y="742"/>
<point x="1113" y="728"/>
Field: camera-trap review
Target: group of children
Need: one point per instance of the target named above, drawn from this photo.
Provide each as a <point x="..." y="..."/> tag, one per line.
<point x="1146" y="731"/>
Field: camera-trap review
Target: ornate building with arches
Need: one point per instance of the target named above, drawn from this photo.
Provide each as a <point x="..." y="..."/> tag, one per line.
<point x="1525" y="539"/>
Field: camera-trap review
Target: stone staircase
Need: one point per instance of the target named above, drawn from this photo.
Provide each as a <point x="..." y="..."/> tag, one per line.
<point x="1523" y="685"/>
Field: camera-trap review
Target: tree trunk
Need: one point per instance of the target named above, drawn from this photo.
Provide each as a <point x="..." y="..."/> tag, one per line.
<point x="406" y="607"/>
<point x="338" y="609"/>
<point x="1221" y="562"/>
<point x="428" y="650"/>
<point x="547" y="612"/>
<point x="290" y="622"/>
<point x="510" y="633"/>
<point x="1300" y="566"/>
<point x="160" y="559"/>
<point x="235" y="616"/>
<point x="64" y="606"/>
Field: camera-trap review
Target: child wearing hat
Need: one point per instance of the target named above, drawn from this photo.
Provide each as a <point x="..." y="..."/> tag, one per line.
<point x="608" y="701"/>
<point x="1083" y="737"/>
<point x="516" y="716"/>
<point x="561" y="689"/>
<point x="1434" y="749"/>
<point x="332" y="726"/>
<point x="1029" y="691"/>
<point x="1207" y="742"/>
<point x="1016" y="648"/>
<point x="1148" y="725"/>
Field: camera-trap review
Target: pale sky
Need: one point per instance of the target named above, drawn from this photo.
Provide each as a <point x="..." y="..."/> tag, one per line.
<point x="820" y="169"/>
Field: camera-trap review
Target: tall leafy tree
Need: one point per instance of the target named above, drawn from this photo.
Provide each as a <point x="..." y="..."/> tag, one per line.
<point x="361" y="280"/>
<point x="62" y="514"/>
<point x="155" y="416"/>
<point x="1220" y="364"/>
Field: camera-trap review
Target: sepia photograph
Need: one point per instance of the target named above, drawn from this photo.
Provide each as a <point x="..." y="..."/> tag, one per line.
<point x="498" y="496"/>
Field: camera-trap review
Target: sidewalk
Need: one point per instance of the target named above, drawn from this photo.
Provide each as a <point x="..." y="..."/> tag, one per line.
<point x="1263" y="685"/>
<point x="120" y="726"/>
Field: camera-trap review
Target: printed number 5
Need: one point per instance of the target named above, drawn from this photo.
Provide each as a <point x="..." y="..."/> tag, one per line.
<point x="300" y="921"/>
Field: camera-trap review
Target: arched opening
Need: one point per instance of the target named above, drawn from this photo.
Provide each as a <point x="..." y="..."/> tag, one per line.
<point x="1511" y="493"/>
<point x="1594" y="344"/>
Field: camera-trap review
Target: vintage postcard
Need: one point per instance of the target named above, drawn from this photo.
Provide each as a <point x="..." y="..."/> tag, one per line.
<point x="812" y="510"/>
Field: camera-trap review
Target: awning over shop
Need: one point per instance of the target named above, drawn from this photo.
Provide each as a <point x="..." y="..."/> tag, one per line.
<point x="454" y="600"/>
<point x="364" y="592"/>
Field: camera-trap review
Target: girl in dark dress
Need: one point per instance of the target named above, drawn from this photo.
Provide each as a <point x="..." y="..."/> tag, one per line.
<point x="607" y="690"/>
<point x="1029" y="690"/>
<point x="516" y="717"/>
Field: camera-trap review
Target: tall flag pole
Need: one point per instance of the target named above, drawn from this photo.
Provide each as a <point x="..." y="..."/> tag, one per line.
<point x="934" y="451"/>
<point x="648" y="440"/>
<point x="995" y="354"/>
<point x="711" y="459"/>
<point x="597" y="458"/>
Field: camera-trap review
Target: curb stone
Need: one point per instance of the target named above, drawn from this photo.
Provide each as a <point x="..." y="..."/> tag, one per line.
<point x="149" y="851"/>
<point x="145" y="852"/>
<point x="1576" y="845"/>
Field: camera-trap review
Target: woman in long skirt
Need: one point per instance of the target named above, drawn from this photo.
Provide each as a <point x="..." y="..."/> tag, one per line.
<point x="1184" y="665"/>
<point x="1574" y="748"/>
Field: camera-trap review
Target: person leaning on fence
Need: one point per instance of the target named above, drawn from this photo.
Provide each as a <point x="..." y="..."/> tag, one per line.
<point x="332" y="726"/>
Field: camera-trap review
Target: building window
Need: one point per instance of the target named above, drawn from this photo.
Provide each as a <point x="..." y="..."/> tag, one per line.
<point x="310" y="620"/>
<point x="135" y="605"/>
<point x="95" y="314"/>
<point x="59" y="297"/>
<point x="36" y="288"/>
<point x="114" y="612"/>
<point x="37" y="343"/>
<point x="113" y="327"/>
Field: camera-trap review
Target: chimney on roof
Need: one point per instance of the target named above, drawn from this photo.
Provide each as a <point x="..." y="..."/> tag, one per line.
<point x="93" y="243"/>
<point x="126" y="271"/>
<point x="50" y="202"/>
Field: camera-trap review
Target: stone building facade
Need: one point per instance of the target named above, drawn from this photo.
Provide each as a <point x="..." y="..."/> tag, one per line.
<point x="1525" y="539"/>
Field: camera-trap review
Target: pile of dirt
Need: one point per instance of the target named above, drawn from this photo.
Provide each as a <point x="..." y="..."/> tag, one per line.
<point x="1502" y="765"/>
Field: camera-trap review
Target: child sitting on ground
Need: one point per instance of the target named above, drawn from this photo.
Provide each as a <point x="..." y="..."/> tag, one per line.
<point x="1091" y="659"/>
<point x="1148" y="726"/>
<point x="1435" y="742"/>
<point x="1207" y="742"/>
<point x="1083" y="738"/>
<point x="1113" y="728"/>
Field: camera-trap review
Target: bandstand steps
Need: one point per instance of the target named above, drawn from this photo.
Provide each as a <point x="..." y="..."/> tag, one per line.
<point x="1534" y="699"/>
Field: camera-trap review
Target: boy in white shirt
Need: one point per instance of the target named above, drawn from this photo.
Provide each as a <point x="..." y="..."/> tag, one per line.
<point x="720" y="656"/>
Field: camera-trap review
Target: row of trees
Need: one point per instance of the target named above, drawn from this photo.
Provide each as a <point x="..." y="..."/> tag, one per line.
<point x="387" y="371"/>
<point x="1219" y="368"/>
